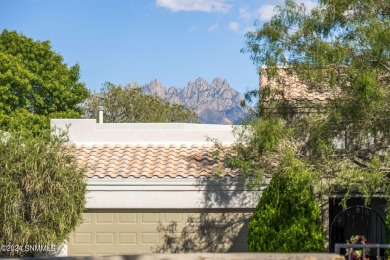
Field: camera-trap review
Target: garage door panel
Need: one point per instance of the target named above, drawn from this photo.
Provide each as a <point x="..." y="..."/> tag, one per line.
<point x="176" y="217"/>
<point x="149" y="238"/>
<point x="150" y="218"/>
<point x="127" y="238"/>
<point x="105" y="218"/>
<point x="82" y="238"/>
<point x="112" y="228"/>
<point x="87" y="218"/>
<point x="105" y="238"/>
<point x="118" y="233"/>
<point x="127" y="218"/>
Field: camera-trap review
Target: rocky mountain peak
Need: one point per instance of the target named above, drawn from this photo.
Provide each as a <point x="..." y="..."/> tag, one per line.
<point x="220" y="83"/>
<point x="201" y="81"/>
<point x="215" y="103"/>
<point x="199" y="84"/>
<point x="154" y="88"/>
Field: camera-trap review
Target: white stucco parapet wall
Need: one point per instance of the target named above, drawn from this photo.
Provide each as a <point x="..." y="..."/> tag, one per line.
<point x="169" y="193"/>
<point x="159" y="193"/>
<point x="87" y="131"/>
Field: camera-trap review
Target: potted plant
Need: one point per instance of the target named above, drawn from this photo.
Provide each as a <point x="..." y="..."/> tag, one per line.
<point x="358" y="254"/>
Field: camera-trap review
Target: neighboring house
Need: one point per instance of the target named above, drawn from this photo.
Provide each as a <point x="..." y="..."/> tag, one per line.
<point x="293" y="94"/>
<point x="289" y="87"/>
<point x="157" y="188"/>
<point x="301" y="99"/>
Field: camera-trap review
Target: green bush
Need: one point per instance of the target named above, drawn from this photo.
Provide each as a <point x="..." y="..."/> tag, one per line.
<point x="42" y="191"/>
<point x="387" y="232"/>
<point x="287" y="219"/>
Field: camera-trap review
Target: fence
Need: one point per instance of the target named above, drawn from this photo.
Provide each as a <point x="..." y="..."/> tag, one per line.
<point x="378" y="247"/>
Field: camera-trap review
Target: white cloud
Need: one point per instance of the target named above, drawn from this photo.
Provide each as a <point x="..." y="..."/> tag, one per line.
<point x="308" y="4"/>
<point x="234" y="26"/>
<point x="220" y="6"/>
<point x="245" y="14"/>
<point x="250" y="29"/>
<point x="214" y="26"/>
<point x="265" y="12"/>
<point x="192" y="28"/>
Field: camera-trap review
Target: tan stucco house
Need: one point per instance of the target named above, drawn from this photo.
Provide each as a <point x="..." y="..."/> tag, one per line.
<point x="157" y="188"/>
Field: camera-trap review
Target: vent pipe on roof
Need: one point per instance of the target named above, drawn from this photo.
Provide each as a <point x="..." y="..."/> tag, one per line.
<point x="100" y="110"/>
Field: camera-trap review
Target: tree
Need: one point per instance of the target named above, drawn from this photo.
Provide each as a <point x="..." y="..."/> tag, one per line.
<point x="34" y="79"/>
<point x="342" y="47"/>
<point x="339" y="47"/>
<point x="42" y="191"/>
<point x="287" y="219"/>
<point x="128" y="104"/>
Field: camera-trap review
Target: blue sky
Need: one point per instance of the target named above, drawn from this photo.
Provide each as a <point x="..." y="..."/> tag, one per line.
<point x="122" y="41"/>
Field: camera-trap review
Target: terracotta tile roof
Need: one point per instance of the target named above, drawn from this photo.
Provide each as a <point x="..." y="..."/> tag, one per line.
<point x="151" y="161"/>
<point x="289" y="87"/>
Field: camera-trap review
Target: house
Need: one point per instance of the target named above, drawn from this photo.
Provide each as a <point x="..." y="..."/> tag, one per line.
<point x="293" y="98"/>
<point x="157" y="188"/>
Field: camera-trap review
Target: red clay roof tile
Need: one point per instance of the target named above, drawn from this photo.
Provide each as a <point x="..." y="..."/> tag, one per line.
<point x="151" y="161"/>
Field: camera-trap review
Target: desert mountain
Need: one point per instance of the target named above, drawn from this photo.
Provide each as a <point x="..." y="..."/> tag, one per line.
<point x="215" y="103"/>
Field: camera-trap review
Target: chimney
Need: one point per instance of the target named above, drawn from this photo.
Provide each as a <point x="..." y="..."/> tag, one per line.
<point x="100" y="110"/>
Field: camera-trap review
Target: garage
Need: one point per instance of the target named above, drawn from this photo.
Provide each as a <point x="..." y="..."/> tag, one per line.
<point x="124" y="232"/>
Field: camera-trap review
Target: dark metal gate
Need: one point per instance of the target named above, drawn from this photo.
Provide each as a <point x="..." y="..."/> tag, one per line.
<point x="356" y="220"/>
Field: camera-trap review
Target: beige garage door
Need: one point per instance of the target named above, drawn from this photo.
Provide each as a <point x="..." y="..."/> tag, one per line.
<point x="119" y="232"/>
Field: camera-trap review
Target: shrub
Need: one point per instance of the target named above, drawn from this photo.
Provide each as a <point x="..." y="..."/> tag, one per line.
<point x="42" y="191"/>
<point x="287" y="219"/>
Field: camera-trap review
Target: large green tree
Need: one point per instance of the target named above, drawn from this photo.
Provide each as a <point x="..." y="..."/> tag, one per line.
<point x="42" y="192"/>
<point x="341" y="48"/>
<point x="127" y="104"/>
<point x="35" y="80"/>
